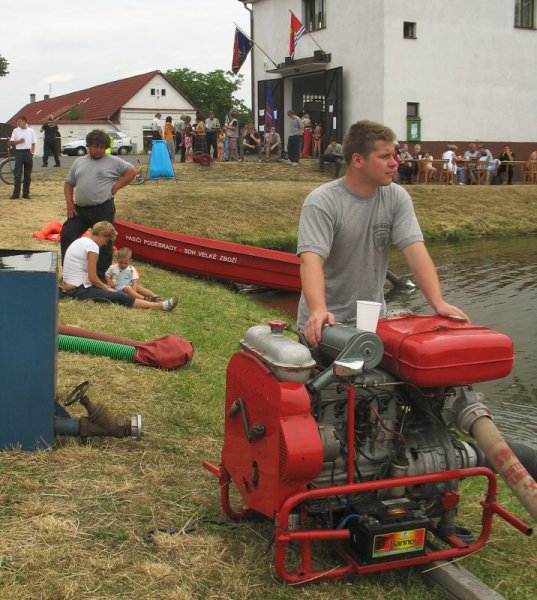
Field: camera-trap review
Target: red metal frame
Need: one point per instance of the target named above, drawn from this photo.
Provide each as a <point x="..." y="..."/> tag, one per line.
<point x="304" y="573"/>
<point x="247" y="379"/>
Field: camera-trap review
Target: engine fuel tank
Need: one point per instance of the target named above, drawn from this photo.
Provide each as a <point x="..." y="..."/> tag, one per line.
<point x="433" y="351"/>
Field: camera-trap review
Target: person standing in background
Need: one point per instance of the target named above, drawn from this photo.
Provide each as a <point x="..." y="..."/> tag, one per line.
<point x="23" y="139"/>
<point x="317" y="140"/>
<point x="169" y="135"/>
<point x="156" y="127"/>
<point x="178" y="136"/>
<point x="232" y="135"/>
<point x="212" y="126"/>
<point x="306" y="137"/>
<point x="295" y="129"/>
<point x="50" y="145"/>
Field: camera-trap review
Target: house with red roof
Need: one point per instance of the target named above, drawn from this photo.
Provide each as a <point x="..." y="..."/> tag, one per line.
<point x="128" y="105"/>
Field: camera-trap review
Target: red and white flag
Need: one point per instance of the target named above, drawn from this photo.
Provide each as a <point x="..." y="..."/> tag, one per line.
<point x="296" y="32"/>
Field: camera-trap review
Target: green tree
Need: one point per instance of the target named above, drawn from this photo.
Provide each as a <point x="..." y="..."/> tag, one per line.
<point x="211" y="91"/>
<point x="3" y="66"/>
<point x="75" y="113"/>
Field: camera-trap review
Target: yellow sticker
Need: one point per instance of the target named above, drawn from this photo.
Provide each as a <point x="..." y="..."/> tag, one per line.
<point x="398" y="542"/>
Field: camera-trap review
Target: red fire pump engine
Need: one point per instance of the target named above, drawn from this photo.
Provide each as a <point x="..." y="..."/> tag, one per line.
<point x="355" y="446"/>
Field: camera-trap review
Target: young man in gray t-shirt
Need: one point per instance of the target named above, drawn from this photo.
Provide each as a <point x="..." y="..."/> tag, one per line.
<point x="346" y="229"/>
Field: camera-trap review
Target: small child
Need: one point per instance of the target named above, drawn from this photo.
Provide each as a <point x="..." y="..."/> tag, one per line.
<point x="221" y="142"/>
<point x="123" y="277"/>
<point x="432" y="169"/>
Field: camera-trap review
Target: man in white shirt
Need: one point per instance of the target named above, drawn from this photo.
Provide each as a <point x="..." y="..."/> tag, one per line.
<point x="23" y="140"/>
<point x="156" y="127"/>
<point x="212" y="127"/>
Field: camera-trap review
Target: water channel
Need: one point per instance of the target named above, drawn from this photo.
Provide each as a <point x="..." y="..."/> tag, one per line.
<point x="495" y="283"/>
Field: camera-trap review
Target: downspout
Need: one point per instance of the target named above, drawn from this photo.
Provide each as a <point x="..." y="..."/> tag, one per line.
<point x="114" y="126"/>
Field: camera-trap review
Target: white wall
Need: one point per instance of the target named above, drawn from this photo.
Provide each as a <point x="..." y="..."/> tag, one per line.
<point x="135" y="115"/>
<point x="471" y="71"/>
<point x="138" y="112"/>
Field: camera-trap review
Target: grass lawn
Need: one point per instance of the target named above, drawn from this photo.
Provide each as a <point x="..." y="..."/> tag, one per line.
<point x="73" y="518"/>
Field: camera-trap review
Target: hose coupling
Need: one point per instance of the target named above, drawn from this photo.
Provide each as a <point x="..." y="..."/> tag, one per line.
<point x="464" y="408"/>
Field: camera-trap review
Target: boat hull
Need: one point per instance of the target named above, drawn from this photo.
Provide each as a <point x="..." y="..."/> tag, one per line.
<point x="211" y="258"/>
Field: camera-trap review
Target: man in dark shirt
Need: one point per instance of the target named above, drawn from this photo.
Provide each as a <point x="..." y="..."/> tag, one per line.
<point x="50" y="145"/>
<point x="250" y="142"/>
<point x="506" y="155"/>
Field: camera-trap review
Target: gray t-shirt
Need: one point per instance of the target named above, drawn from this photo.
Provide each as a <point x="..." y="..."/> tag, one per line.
<point x="94" y="178"/>
<point x="353" y="235"/>
<point x="295" y="125"/>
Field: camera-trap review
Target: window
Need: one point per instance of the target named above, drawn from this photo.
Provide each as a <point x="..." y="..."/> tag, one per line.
<point x="315" y="99"/>
<point x="409" y="30"/>
<point x="314" y="14"/>
<point x="162" y="92"/>
<point x="152" y="91"/>
<point x="525" y="14"/>
<point x="412" y="109"/>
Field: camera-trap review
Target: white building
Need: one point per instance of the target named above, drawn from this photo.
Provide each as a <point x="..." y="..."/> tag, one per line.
<point x="128" y="105"/>
<point x="433" y="71"/>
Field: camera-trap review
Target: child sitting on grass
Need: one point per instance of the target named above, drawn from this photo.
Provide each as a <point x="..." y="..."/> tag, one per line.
<point x="123" y="277"/>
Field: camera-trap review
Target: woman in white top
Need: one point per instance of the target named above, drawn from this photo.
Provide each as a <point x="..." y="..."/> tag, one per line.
<point x="80" y="280"/>
<point x="451" y="165"/>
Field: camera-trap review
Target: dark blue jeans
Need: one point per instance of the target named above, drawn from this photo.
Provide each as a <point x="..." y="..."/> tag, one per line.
<point x="293" y="148"/>
<point x="23" y="161"/>
<point x="98" y="295"/>
<point x="48" y="149"/>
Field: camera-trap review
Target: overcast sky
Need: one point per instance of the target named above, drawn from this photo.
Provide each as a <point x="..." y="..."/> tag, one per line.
<point x="60" y="46"/>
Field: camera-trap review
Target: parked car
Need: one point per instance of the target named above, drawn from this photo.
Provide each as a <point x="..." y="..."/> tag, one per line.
<point x="120" y="144"/>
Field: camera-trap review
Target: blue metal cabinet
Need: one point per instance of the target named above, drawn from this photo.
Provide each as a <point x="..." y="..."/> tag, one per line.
<point x="28" y="331"/>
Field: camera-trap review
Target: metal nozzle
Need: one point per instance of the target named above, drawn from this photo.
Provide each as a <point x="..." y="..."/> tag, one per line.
<point x="136" y="427"/>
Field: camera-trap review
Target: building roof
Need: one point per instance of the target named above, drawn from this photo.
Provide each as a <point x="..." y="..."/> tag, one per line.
<point x="98" y="104"/>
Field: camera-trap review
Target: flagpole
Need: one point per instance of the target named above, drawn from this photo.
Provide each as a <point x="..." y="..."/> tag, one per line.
<point x="314" y="40"/>
<point x="256" y="44"/>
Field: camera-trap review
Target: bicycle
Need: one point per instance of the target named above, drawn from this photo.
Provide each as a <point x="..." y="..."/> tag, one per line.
<point x="7" y="166"/>
<point x="139" y="178"/>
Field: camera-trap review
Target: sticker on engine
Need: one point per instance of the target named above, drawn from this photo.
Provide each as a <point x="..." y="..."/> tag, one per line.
<point x="398" y="542"/>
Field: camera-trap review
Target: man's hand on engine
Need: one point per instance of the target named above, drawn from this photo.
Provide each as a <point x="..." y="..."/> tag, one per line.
<point x="448" y="310"/>
<point x="314" y="326"/>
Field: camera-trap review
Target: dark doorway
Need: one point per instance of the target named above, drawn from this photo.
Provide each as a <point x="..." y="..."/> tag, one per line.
<point x="321" y="94"/>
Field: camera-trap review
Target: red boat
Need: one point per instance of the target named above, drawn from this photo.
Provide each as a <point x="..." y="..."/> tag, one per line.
<point x="211" y="258"/>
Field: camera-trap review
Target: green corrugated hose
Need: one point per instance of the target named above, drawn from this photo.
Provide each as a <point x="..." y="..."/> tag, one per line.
<point x="97" y="347"/>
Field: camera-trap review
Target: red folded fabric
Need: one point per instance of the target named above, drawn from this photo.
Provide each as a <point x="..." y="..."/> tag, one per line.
<point x="167" y="352"/>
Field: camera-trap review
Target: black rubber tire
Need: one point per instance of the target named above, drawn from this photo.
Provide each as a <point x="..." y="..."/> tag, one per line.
<point x="6" y="171"/>
<point x="527" y="456"/>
